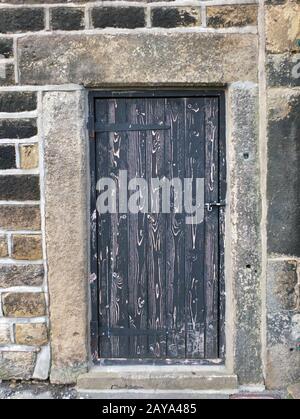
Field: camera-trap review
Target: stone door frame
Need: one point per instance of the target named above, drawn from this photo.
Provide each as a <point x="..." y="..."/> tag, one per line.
<point x="66" y="176"/>
<point x="149" y="60"/>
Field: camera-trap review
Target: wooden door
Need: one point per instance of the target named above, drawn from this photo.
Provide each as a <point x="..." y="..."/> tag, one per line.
<point x="157" y="283"/>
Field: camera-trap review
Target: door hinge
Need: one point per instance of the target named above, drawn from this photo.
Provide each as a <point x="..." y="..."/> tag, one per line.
<point x="210" y="205"/>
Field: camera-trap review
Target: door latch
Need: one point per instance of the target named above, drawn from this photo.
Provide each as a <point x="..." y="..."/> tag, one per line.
<point x="210" y="205"/>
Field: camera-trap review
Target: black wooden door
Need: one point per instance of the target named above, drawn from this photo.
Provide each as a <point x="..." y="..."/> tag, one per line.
<point x="157" y="282"/>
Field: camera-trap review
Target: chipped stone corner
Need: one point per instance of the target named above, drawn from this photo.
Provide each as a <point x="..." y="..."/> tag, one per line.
<point x="67" y="374"/>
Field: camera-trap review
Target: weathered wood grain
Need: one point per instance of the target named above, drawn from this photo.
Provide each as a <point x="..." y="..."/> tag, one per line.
<point x="195" y="255"/>
<point x="137" y="239"/>
<point x="211" y="266"/>
<point x="103" y="235"/>
<point x="160" y="281"/>
<point x="118" y="159"/>
<point x="175" y="231"/>
<point x="155" y="166"/>
<point x="94" y="277"/>
<point x="222" y="197"/>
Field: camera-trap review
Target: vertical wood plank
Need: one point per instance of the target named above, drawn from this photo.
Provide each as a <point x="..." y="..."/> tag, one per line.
<point x="212" y="227"/>
<point x="175" y="231"/>
<point x="103" y="234"/>
<point x="118" y="146"/>
<point x="137" y="265"/>
<point x="195" y="168"/>
<point x="94" y="277"/>
<point x="222" y="197"/>
<point x="155" y="158"/>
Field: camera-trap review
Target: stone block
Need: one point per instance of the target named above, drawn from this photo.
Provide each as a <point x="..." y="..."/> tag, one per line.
<point x="21" y="275"/>
<point x="4" y="334"/>
<point x="17" y="101"/>
<point x="31" y="334"/>
<point x="29" y="156"/>
<point x="3" y="247"/>
<point x="20" y="217"/>
<point x="283" y="70"/>
<point x="172" y="17"/>
<point x="6" y="47"/>
<point x="27" y="247"/>
<point x="283" y="28"/>
<point x="17" y="365"/>
<point x="152" y="58"/>
<point x="23" y="304"/>
<point x="65" y="175"/>
<point x="118" y="17"/>
<point x="7" y="75"/>
<point x="7" y="157"/>
<point x="67" y="19"/>
<point x="19" y="188"/>
<point x="14" y="20"/>
<point x="18" y="128"/>
<point x="283" y="324"/>
<point x="232" y="16"/>
<point x="283" y="172"/>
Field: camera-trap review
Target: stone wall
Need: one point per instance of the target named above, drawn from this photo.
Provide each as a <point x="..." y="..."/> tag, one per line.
<point x="43" y="45"/>
<point x="24" y="348"/>
<point x="283" y="120"/>
<point x="49" y="52"/>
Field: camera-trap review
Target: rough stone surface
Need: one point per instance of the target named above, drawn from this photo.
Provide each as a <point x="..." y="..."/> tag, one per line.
<point x="156" y="378"/>
<point x="19" y="188"/>
<point x="153" y="58"/>
<point x="294" y="391"/>
<point x="283" y="169"/>
<point x="17" y="101"/>
<point x="21" y="275"/>
<point x="17" y="365"/>
<point x="42" y="366"/>
<point x="283" y="28"/>
<point x="67" y="19"/>
<point x="20" y="217"/>
<point x="65" y="190"/>
<point x="21" y="20"/>
<point x="245" y="213"/>
<point x="18" y="128"/>
<point x="27" y="247"/>
<point x="283" y="70"/>
<point x="228" y="16"/>
<point x="3" y="247"/>
<point x="7" y="72"/>
<point x="31" y="334"/>
<point x="283" y="324"/>
<point x="29" y="156"/>
<point x="118" y="17"/>
<point x="7" y="157"/>
<point x="4" y="334"/>
<point x="6" y="47"/>
<point x="23" y="304"/>
<point x="172" y="17"/>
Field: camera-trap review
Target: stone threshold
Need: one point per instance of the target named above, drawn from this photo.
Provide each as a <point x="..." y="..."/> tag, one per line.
<point x="158" y="378"/>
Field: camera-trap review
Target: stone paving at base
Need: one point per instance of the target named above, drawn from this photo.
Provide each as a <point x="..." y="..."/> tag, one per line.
<point x="46" y="391"/>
